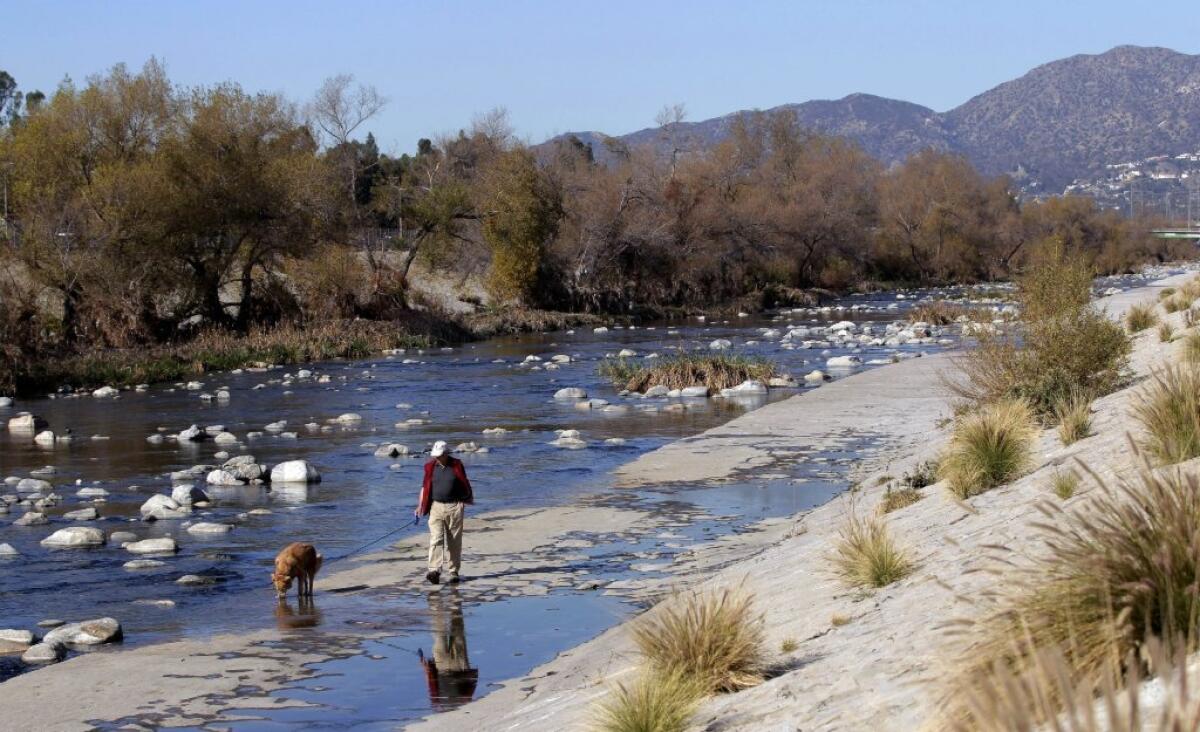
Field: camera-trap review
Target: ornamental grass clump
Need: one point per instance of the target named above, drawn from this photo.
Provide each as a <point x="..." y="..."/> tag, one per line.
<point x="866" y="556"/>
<point x="1044" y="695"/>
<point x="988" y="448"/>
<point x="1064" y="484"/>
<point x="1169" y="412"/>
<point x="894" y="500"/>
<point x="1166" y="332"/>
<point x="1123" y="570"/>
<point x="1074" y="417"/>
<point x="653" y="702"/>
<point x="1141" y="317"/>
<point x="714" y="639"/>
<point x="1191" y="347"/>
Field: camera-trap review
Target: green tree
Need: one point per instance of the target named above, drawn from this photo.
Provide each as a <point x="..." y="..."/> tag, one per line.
<point x="522" y="209"/>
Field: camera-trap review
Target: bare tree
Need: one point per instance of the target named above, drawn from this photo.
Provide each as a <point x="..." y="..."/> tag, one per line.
<point x="669" y="119"/>
<point x="338" y="110"/>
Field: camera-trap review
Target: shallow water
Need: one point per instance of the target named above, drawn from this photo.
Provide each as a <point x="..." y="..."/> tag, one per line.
<point x="460" y="391"/>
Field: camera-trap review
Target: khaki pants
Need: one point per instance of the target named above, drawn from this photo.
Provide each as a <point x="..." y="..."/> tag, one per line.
<point x="445" y="535"/>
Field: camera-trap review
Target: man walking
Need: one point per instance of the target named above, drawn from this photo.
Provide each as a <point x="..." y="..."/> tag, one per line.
<point x="445" y="492"/>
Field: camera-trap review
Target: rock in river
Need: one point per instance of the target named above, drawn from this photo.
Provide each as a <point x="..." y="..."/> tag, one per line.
<point x="161" y="545"/>
<point x="186" y="495"/>
<point x="83" y="514"/>
<point x="163" y="507"/>
<point x="7" y="550"/>
<point x="572" y="392"/>
<point x="88" y="633"/>
<point x="75" y="536"/>
<point x="223" y="477"/>
<point x="694" y="391"/>
<point x="34" y="485"/>
<point x="295" y="471"/>
<point x="208" y="527"/>
<point x="843" y="362"/>
<point x="44" y="653"/>
<point x="32" y="518"/>
<point x="143" y="564"/>
<point x="26" y="422"/>
<point x="15" y="640"/>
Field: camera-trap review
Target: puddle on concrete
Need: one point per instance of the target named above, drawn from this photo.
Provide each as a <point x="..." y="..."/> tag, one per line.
<point x="463" y="651"/>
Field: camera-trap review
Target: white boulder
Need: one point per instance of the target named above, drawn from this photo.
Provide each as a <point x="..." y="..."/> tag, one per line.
<point x="843" y="362"/>
<point x="160" y="545"/>
<point x="571" y="392"/>
<point x="104" y="392"/>
<point x="26" y="422"/>
<point x="88" y="633"/>
<point x="187" y="495"/>
<point x="44" y="653"/>
<point x="208" y="527"/>
<point x="73" y="536"/>
<point x="295" y="471"/>
<point x="163" y="507"/>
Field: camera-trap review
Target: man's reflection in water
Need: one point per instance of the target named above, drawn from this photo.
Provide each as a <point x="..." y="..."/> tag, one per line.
<point x="305" y="615"/>
<point x="448" y="673"/>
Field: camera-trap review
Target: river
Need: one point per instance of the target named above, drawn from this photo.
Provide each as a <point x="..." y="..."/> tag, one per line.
<point x="455" y="393"/>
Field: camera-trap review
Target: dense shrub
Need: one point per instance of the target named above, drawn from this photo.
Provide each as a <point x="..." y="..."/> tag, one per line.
<point x="1062" y="346"/>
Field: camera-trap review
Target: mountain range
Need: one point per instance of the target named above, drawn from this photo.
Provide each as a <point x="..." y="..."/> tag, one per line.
<point x="1061" y="121"/>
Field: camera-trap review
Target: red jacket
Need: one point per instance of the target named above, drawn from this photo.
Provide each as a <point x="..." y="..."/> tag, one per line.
<point x="425" y="501"/>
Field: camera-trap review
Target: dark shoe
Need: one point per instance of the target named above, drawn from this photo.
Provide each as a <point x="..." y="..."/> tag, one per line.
<point x="453" y="580"/>
<point x="433" y="577"/>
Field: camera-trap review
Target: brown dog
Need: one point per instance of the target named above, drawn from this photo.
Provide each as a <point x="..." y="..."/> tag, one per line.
<point x="297" y="561"/>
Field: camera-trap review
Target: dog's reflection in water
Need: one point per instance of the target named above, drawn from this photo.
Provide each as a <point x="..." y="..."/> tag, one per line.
<point x="303" y="615"/>
<point x="448" y="672"/>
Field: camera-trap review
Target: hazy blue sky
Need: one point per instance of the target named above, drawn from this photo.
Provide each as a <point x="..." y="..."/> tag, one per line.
<point x="560" y="66"/>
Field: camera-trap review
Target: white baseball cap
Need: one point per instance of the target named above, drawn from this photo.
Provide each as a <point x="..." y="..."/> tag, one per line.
<point x="439" y="448"/>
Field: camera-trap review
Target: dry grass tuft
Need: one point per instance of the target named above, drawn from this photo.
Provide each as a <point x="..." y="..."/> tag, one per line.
<point x="1074" y="417"/>
<point x="1064" y="484"/>
<point x="1169" y="410"/>
<point x="1140" y="317"/>
<point x="1166" y="332"/>
<point x="988" y="448"/>
<point x="715" y="370"/>
<point x="838" y="621"/>
<point x="654" y="702"/>
<point x="789" y="645"/>
<point x="867" y="556"/>
<point x="713" y="638"/>
<point x="1177" y="303"/>
<point x="1124" y="570"/>
<point x="941" y="312"/>
<point x="894" y="500"/>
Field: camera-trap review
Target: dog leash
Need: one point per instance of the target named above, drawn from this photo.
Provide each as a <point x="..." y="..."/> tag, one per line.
<point x="415" y="521"/>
